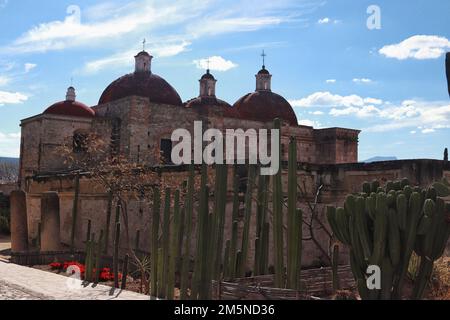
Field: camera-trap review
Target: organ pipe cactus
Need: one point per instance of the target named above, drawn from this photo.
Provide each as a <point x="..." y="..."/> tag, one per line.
<point x="294" y="222"/>
<point x="116" y="255"/>
<point x="385" y="227"/>
<point x="189" y="202"/>
<point x="247" y="217"/>
<point x="174" y="243"/>
<point x="123" y="286"/>
<point x="155" y="238"/>
<point x="165" y="243"/>
<point x="277" y="202"/>
<point x="98" y="257"/>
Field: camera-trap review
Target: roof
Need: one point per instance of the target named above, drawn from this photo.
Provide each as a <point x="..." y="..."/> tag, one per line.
<point x="265" y="106"/>
<point x="144" y="84"/>
<point x="208" y="75"/>
<point x="203" y="104"/>
<point x="263" y="71"/>
<point x="71" y="108"/>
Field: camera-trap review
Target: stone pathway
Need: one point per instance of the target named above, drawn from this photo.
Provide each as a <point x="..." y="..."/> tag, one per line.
<point x="22" y="283"/>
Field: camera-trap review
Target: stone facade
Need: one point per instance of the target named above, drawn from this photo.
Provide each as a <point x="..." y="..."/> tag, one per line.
<point x="137" y="126"/>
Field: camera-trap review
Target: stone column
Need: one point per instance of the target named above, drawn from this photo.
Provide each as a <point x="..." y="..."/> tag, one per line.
<point x="50" y="231"/>
<point x="19" y="223"/>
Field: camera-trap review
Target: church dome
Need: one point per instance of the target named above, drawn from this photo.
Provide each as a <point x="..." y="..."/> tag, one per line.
<point x="70" y="107"/>
<point x="142" y="83"/>
<point x="265" y="106"/>
<point x="203" y="104"/>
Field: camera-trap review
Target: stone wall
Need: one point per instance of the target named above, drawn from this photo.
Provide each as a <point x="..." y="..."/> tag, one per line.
<point x="338" y="181"/>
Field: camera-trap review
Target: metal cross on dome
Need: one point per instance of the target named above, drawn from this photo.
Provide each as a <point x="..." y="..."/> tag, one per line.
<point x="143" y="44"/>
<point x="264" y="55"/>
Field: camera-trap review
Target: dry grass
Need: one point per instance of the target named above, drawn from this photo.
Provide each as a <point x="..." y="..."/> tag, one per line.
<point x="440" y="282"/>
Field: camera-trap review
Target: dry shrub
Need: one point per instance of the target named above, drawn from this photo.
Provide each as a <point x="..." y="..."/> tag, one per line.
<point x="440" y="282"/>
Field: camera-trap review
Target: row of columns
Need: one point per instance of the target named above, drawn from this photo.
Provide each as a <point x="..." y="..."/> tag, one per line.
<point x="50" y="222"/>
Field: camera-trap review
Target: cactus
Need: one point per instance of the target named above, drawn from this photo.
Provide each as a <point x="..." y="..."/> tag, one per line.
<point x="187" y="241"/>
<point x="155" y="237"/>
<point x="123" y="286"/>
<point x="247" y="217"/>
<point x="75" y="212"/>
<point x="116" y="255"/>
<point x="335" y="266"/>
<point x="98" y="257"/>
<point x="108" y="221"/>
<point x="261" y="218"/>
<point x="174" y="243"/>
<point x="202" y="243"/>
<point x="165" y="243"/>
<point x="235" y="226"/>
<point x="218" y="217"/>
<point x="277" y="201"/>
<point x="294" y="222"/>
<point x="406" y="219"/>
<point x="137" y="240"/>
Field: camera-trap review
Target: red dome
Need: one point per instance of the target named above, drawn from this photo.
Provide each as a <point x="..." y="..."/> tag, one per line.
<point x="265" y="106"/>
<point x="71" y="108"/>
<point x="143" y="84"/>
<point x="203" y="103"/>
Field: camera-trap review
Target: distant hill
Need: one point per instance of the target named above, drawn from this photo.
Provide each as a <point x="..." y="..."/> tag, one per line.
<point x="9" y="160"/>
<point x="379" y="159"/>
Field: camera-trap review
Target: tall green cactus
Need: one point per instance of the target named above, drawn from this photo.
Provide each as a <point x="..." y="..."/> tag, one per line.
<point x="166" y="243"/>
<point x="247" y="217"/>
<point x="98" y="257"/>
<point x="295" y="219"/>
<point x="277" y="202"/>
<point x="189" y="208"/>
<point x="116" y="255"/>
<point x="174" y="243"/>
<point x="403" y="220"/>
<point x="123" y="286"/>
<point x="108" y="221"/>
<point x="155" y="239"/>
<point x="235" y="225"/>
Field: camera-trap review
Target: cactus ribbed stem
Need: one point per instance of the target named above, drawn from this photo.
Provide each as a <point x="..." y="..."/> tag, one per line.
<point x="155" y="238"/>
<point x="187" y="241"/>
<point x="116" y="255"/>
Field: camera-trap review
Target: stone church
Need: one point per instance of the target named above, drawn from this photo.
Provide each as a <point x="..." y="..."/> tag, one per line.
<point x="139" y="111"/>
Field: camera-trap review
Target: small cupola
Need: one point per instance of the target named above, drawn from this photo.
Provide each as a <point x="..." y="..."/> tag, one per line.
<point x="263" y="78"/>
<point x="208" y="85"/>
<point x="70" y="95"/>
<point x="143" y="62"/>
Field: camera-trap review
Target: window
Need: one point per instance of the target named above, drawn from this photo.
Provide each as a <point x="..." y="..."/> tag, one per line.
<point x="166" y="151"/>
<point x="79" y="142"/>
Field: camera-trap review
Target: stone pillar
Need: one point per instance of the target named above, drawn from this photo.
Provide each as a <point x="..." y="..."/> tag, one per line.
<point x="50" y="231"/>
<point x="19" y="223"/>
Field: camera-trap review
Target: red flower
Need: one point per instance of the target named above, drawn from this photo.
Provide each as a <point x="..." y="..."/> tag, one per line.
<point x="56" y="265"/>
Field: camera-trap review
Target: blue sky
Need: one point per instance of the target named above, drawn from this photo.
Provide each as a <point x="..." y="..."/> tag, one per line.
<point x="335" y="71"/>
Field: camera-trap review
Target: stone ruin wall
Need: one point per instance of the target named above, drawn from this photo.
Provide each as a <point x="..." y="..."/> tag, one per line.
<point x="338" y="181"/>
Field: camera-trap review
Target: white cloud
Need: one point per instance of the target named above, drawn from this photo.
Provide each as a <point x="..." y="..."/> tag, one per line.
<point x="310" y="123"/>
<point x="10" y="144"/>
<point x="327" y="99"/>
<point x="127" y="58"/>
<point x="187" y="19"/>
<point x="324" y="20"/>
<point x="12" y="98"/>
<point x="215" y="63"/>
<point x="317" y="113"/>
<point x="327" y="20"/>
<point x="362" y="80"/>
<point x="415" y="115"/>
<point x="29" y="66"/>
<point x="4" y="80"/>
<point x="418" y="47"/>
<point x="331" y="81"/>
